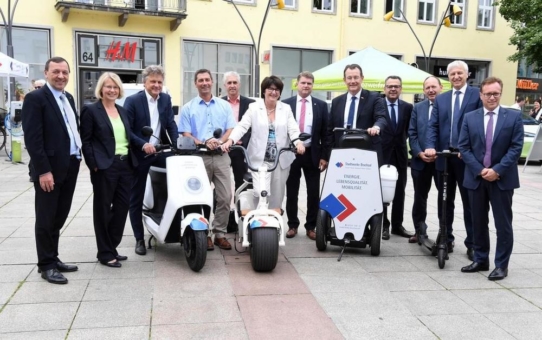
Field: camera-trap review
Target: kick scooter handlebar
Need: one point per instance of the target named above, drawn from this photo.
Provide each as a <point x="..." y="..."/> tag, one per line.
<point x="447" y="153"/>
<point x="349" y="130"/>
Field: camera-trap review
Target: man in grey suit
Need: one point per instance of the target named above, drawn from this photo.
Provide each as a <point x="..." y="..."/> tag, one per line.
<point x="443" y="133"/>
<point x="422" y="168"/>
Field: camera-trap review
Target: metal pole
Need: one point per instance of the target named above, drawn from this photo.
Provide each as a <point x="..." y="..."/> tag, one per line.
<point x="438" y="30"/>
<point x="416" y="36"/>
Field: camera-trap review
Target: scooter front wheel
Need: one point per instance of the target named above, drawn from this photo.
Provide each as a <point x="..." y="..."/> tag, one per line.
<point x="376" y="234"/>
<point x="195" y="248"/>
<point x="264" y="249"/>
<point x="441" y="258"/>
<point x="323" y="223"/>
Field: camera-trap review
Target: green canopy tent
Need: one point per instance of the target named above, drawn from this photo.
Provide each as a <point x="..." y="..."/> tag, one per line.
<point x="376" y="67"/>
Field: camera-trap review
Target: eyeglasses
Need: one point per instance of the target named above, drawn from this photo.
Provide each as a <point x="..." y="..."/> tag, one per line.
<point x="493" y="94"/>
<point x="116" y="88"/>
<point x="393" y="86"/>
<point x="37" y="87"/>
<point x="272" y="89"/>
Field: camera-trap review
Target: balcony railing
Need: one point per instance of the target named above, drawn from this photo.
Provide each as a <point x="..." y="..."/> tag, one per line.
<point x="174" y="9"/>
<point x="142" y="5"/>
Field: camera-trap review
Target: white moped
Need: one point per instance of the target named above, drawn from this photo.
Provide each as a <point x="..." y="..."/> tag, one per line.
<point x="178" y="200"/>
<point x="262" y="229"/>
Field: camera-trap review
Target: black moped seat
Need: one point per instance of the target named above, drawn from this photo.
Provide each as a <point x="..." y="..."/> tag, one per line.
<point x="247" y="177"/>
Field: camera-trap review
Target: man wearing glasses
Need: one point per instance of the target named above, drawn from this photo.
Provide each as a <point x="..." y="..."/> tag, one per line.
<point x="394" y="150"/>
<point x="490" y="143"/>
<point x="443" y="134"/>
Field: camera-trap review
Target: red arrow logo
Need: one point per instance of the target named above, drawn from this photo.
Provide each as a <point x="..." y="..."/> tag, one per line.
<point x="349" y="208"/>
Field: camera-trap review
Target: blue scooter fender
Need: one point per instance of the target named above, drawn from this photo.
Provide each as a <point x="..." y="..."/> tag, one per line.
<point x="195" y="221"/>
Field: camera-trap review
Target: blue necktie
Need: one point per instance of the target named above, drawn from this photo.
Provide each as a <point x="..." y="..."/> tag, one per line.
<point x="455" y="126"/>
<point x="351" y="112"/>
<point x="393" y="118"/>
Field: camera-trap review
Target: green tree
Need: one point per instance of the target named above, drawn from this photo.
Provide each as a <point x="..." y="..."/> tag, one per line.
<point x="525" y="18"/>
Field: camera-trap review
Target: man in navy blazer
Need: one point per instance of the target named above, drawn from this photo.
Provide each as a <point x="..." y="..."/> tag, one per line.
<point x="394" y="150"/>
<point x="54" y="145"/>
<point x="422" y="168"/>
<point x="150" y="107"/>
<point x="313" y="117"/>
<point x="443" y="134"/>
<point x="490" y="143"/>
<point x="368" y="109"/>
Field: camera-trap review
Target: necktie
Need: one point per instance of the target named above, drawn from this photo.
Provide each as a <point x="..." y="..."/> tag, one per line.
<point x="351" y="113"/>
<point x="489" y="140"/>
<point x="68" y="111"/>
<point x="302" y="117"/>
<point x="455" y="130"/>
<point x="430" y="110"/>
<point x="393" y="117"/>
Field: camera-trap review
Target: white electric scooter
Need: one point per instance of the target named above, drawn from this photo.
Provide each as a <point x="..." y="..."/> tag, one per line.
<point x="262" y="228"/>
<point x="178" y="200"/>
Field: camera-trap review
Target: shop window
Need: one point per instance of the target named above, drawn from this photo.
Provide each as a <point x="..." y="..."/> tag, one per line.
<point x="485" y="14"/>
<point x="218" y="58"/>
<point x="290" y="4"/>
<point x="460" y="19"/>
<point x="323" y="6"/>
<point x="287" y="63"/>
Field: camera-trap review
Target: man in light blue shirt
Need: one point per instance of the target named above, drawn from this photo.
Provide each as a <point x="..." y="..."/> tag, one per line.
<point x="200" y="117"/>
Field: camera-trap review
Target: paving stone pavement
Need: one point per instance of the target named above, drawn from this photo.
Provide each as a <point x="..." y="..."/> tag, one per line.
<point x="399" y="295"/>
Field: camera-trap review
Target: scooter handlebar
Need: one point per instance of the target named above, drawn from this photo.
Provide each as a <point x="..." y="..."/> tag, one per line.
<point x="349" y="130"/>
<point x="249" y="164"/>
<point x="447" y="153"/>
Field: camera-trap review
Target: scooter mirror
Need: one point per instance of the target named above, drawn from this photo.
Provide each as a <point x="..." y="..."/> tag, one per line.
<point x="146" y="131"/>
<point x="217" y="133"/>
<point x="304" y="136"/>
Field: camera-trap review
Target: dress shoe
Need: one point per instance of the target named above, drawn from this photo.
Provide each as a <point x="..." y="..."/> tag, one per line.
<point x="140" y="248"/>
<point x="114" y="264"/>
<point x="451" y="246"/>
<point x="475" y="267"/>
<point x="54" y="276"/>
<point x="470" y="254"/>
<point x="122" y="258"/>
<point x="413" y="239"/>
<point x="311" y="234"/>
<point x="401" y="231"/>
<point x="64" y="268"/>
<point x="386" y="233"/>
<point x="210" y="245"/>
<point x="291" y="232"/>
<point x="498" y="274"/>
<point x="222" y="243"/>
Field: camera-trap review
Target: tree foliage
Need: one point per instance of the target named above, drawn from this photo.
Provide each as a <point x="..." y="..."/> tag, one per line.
<point x="525" y="18"/>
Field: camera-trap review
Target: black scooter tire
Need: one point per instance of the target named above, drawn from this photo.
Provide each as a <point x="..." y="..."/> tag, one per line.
<point x="264" y="249"/>
<point x="195" y="248"/>
<point x="376" y="234"/>
<point x="441" y="258"/>
<point x="323" y="224"/>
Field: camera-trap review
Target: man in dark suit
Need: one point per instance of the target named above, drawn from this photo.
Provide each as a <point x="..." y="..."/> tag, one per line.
<point x="443" y="134"/>
<point x="239" y="105"/>
<point x="394" y="150"/>
<point x="358" y="108"/>
<point x="313" y="117"/>
<point x="52" y="139"/>
<point x="150" y="107"/>
<point x="490" y="143"/>
<point x="422" y="168"/>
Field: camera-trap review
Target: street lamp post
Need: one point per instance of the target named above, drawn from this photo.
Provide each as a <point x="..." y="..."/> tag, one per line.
<point x="444" y="20"/>
<point x="280" y="5"/>
<point x="8" y="26"/>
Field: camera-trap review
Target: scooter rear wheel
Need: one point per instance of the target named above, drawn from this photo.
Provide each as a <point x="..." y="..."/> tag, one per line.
<point x="195" y="248"/>
<point x="441" y="258"/>
<point x="376" y="234"/>
<point x="264" y="249"/>
<point x="323" y="223"/>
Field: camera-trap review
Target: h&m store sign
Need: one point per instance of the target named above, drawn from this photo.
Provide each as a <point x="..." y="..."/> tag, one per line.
<point x="528" y="84"/>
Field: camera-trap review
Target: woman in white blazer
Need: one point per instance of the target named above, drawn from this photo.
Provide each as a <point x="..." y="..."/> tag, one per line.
<point x="273" y="126"/>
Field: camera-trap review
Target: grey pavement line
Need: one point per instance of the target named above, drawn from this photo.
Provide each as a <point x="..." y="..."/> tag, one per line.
<point x="74" y="215"/>
<point x="511" y="290"/>
<point x="77" y="310"/>
<point x="12" y="295"/>
<point x="14" y="198"/>
<point x="150" y="321"/>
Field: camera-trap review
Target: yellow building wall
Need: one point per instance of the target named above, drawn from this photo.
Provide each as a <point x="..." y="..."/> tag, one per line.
<point x="216" y="20"/>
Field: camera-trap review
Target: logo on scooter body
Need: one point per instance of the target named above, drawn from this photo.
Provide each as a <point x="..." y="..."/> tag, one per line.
<point x="199" y="224"/>
<point x="339" y="164"/>
<point x="257" y="223"/>
<point x="338" y="207"/>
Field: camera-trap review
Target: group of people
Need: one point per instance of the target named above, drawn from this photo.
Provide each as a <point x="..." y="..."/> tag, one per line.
<point x="111" y="140"/>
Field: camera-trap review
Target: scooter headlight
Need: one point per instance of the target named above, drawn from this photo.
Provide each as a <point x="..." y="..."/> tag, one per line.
<point x="193" y="184"/>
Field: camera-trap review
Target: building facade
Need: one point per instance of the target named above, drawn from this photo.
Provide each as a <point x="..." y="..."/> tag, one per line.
<point x="124" y="36"/>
